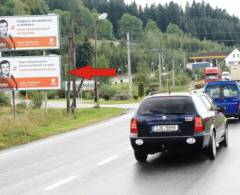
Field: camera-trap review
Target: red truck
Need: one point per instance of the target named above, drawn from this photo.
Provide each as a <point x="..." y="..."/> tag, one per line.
<point x="212" y="74"/>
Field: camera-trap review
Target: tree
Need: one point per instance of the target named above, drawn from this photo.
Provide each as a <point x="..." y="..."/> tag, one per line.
<point x="174" y="29"/>
<point x="105" y="29"/>
<point x="152" y="26"/>
<point x="84" y="54"/>
<point x="131" y="24"/>
<point x="37" y="7"/>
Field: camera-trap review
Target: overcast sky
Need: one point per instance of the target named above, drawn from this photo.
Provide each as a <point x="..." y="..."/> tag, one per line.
<point x="232" y="6"/>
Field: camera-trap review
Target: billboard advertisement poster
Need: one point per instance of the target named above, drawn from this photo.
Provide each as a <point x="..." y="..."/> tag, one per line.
<point x="29" y="32"/>
<point x="30" y="73"/>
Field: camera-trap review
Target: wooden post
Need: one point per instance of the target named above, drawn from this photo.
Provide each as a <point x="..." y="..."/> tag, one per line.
<point x="70" y="46"/>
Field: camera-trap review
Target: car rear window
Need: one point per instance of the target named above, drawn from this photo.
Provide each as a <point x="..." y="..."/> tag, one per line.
<point x="167" y="105"/>
<point x="213" y="91"/>
<point x="212" y="76"/>
<point x="230" y="91"/>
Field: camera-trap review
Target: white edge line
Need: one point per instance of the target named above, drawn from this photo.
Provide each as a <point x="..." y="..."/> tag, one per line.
<point x="107" y="160"/>
<point x="60" y="183"/>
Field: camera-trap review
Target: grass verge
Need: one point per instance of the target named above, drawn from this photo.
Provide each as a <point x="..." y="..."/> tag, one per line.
<point x="31" y="125"/>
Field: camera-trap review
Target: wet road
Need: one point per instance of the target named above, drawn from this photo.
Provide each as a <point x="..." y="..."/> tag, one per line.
<point x="98" y="160"/>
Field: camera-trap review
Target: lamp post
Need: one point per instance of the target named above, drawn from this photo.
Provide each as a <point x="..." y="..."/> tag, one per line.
<point x="103" y="16"/>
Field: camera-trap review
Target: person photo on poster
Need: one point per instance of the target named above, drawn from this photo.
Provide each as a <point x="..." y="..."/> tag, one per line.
<point x="6" y="40"/>
<point x="5" y="69"/>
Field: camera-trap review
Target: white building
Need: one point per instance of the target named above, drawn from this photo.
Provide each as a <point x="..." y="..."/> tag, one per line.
<point x="233" y="58"/>
<point x="120" y="79"/>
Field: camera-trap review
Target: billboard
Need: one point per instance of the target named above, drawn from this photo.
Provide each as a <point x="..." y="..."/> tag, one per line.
<point x="30" y="73"/>
<point x="29" y="32"/>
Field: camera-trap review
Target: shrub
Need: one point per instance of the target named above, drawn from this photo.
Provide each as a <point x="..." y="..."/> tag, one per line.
<point x="120" y="96"/>
<point x="54" y="94"/>
<point x="140" y="89"/>
<point x="21" y="106"/>
<point x="107" y="92"/>
<point x="135" y="97"/>
<point x="89" y="95"/>
<point x="37" y="98"/>
<point x="4" y="99"/>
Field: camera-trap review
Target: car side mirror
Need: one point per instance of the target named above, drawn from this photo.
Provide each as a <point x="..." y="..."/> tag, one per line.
<point x="221" y="109"/>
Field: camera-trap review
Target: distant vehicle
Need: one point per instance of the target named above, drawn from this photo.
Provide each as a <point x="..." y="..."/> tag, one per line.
<point x="177" y="122"/>
<point x="235" y="72"/>
<point x="212" y="74"/>
<point x="226" y="76"/>
<point x="225" y="94"/>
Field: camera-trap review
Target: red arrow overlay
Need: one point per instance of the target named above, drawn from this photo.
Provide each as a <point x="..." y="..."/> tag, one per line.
<point x="88" y="72"/>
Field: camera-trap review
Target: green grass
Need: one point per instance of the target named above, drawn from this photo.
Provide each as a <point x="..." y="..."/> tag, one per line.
<point x="102" y="101"/>
<point x="31" y="125"/>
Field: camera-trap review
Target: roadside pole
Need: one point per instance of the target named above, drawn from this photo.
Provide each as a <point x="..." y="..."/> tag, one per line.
<point x="129" y="67"/>
<point x="45" y="92"/>
<point x="73" y="56"/>
<point x="14" y="103"/>
<point x="173" y="73"/>
<point x="69" y="67"/>
<point x="160" y="71"/>
<point x="184" y="60"/>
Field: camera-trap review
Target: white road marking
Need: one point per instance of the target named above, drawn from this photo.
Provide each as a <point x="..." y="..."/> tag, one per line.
<point x="107" y="160"/>
<point x="56" y="185"/>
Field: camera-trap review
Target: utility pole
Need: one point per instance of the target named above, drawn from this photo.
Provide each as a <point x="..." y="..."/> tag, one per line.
<point x="73" y="56"/>
<point x="184" y="60"/>
<point x="173" y="73"/>
<point x="70" y="62"/>
<point x="160" y="70"/>
<point x="129" y="67"/>
<point x="45" y="92"/>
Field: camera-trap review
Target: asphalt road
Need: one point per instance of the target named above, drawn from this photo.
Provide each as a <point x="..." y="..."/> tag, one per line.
<point x="98" y="160"/>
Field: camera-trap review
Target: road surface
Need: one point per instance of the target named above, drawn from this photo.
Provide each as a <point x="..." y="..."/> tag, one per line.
<point x="98" y="160"/>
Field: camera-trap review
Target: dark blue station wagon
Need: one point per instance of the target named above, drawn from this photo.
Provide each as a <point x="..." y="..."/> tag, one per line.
<point x="177" y="122"/>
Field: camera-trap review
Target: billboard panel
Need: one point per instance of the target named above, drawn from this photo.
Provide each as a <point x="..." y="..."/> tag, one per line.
<point x="29" y="32"/>
<point x="30" y="73"/>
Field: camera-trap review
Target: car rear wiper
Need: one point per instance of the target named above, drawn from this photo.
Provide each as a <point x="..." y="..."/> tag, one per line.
<point x="179" y="113"/>
<point x="152" y="112"/>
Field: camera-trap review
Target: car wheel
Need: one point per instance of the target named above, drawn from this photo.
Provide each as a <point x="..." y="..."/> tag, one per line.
<point x="225" y="141"/>
<point x="140" y="156"/>
<point x="212" y="148"/>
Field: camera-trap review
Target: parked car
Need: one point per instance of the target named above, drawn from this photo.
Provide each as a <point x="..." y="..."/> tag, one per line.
<point x="226" y="76"/>
<point x="177" y="122"/>
<point x="225" y="94"/>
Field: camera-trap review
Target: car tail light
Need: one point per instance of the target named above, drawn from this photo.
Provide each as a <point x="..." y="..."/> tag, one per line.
<point x="134" y="127"/>
<point x="198" y="125"/>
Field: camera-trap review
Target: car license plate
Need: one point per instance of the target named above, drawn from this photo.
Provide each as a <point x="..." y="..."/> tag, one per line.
<point x="165" y="128"/>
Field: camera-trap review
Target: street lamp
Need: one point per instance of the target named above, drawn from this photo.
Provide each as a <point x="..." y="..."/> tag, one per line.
<point x="103" y="16"/>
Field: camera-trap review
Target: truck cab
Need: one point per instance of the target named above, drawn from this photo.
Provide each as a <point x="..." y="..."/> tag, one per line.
<point x="212" y="74"/>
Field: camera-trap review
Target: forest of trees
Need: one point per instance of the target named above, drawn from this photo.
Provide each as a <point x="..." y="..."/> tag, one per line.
<point x="180" y="32"/>
<point x="199" y="19"/>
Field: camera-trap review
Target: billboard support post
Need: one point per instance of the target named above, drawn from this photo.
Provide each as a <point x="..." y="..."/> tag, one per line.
<point x="14" y="103"/>
<point x="45" y="92"/>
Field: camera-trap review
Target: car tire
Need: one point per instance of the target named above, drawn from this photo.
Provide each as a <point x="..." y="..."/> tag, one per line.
<point x="212" y="147"/>
<point x="140" y="156"/>
<point x="225" y="141"/>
